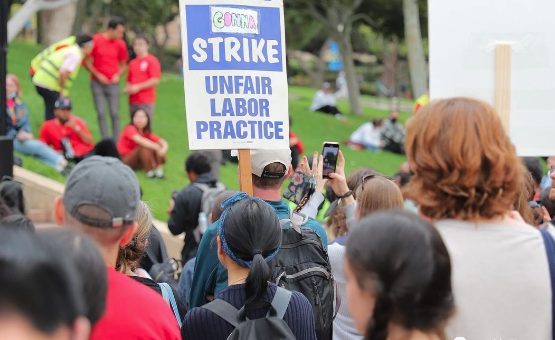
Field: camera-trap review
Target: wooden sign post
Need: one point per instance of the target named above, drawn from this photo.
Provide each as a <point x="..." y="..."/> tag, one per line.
<point x="245" y="171"/>
<point x="503" y="84"/>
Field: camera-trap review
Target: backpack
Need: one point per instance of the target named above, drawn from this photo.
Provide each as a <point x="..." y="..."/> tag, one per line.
<point x="303" y="265"/>
<point x="168" y="296"/>
<point x="269" y="327"/>
<point x="209" y="194"/>
<point x="168" y="270"/>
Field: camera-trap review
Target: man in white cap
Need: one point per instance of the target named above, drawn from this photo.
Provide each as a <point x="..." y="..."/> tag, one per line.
<point x="270" y="168"/>
<point x="324" y="101"/>
<point x="101" y="200"/>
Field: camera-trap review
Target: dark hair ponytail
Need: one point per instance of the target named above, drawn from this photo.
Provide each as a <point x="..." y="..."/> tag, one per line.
<point x="250" y="233"/>
<point x="257" y="280"/>
<point x="401" y="260"/>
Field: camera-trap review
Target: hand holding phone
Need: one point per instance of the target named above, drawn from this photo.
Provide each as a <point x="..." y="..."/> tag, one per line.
<point x="330" y="152"/>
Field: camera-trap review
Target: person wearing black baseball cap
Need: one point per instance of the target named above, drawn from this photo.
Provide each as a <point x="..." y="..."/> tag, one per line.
<point x="67" y="134"/>
<point x="101" y="199"/>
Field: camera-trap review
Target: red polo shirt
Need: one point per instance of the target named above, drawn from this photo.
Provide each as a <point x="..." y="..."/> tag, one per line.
<point x="141" y="70"/>
<point x="52" y="132"/>
<point x="107" y="54"/>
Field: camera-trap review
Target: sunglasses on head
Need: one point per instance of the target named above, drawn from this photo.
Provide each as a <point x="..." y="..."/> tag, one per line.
<point x="368" y="177"/>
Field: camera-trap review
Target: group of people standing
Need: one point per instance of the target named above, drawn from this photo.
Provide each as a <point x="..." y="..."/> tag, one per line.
<point x="105" y="55"/>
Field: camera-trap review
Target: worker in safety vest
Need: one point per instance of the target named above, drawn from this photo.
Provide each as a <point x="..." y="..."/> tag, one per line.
<point x="55" y="74"/>
<point x="423" y="100"/>
<point x="35" y="63"/>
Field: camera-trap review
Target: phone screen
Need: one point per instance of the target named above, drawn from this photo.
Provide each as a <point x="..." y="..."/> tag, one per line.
<point x="329" y="153"/>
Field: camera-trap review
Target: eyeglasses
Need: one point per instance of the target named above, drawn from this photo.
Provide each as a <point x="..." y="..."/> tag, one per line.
<point x="551" y="170"/>
<point x="370" y="176"/>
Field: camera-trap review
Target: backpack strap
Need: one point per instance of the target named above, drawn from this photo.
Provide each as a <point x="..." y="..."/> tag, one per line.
<point x="224" y="310"/>
<point x="281" y="301"/>
<point x="167" y="294"/>
<point x="550" y="250"/>
<point x="296" y="220"/>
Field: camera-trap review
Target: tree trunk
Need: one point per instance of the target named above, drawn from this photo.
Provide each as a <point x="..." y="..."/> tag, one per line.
<point x="80" y="16"/>
<point x="346" y="49"/>
<point x="417" y="62"/>
<point x="58" y="24"/>
<point x="96" y="10"/>
<point x="30" y="7"/>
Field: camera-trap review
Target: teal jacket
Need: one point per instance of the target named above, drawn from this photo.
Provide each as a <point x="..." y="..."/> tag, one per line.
<point x="210" y="277"/>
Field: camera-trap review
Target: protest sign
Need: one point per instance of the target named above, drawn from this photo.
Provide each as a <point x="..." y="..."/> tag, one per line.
<point x="467" y="41"/>
<point x="235" y="77"/>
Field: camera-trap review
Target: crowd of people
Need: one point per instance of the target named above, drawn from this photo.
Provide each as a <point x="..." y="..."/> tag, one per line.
<point x="443" y="249"/>
<point x="458" y="243"/>
<point x="64" y="137"/>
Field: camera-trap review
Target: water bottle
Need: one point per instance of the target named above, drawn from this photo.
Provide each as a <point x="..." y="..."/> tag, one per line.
<point x="202" y="222"/>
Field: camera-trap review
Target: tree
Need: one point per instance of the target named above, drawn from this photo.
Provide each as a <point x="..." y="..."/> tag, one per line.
<point x="81" y="13"/>
<point x="30" y="7"/>
<point x="413" y="37"/>
<point x="337" y="18"/>
<point x="57" y="24"/>
<point x="387" y="14"/>
<point x="145" y="15"/>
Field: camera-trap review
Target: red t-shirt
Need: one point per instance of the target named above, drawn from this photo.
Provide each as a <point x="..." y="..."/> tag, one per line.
<point x="141" y="70"/>
<point x="299" y="144"/>
<point x="134" y="311"/>
<point x="107" y="54"/>
<point x="52" y="132"/>
<point x="126" y="144"/>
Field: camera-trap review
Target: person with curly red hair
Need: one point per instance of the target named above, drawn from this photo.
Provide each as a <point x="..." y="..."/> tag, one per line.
<point x="467" y="178"/>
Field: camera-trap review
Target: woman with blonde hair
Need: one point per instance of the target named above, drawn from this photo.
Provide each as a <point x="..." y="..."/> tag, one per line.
<point x="373" y="193"/>
<point x="467" y="178"/>
<point x="130" y="255"/>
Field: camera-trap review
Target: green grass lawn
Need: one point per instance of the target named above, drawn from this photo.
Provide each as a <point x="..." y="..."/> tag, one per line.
<point x="311" y="128"/>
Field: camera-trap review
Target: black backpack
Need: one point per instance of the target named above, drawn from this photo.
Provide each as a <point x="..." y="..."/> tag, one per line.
<point x="303" y="265"/>
<point x="270" y="327"/>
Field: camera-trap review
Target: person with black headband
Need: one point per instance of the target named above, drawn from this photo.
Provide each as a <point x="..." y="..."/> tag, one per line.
<point x="248" y="236"/>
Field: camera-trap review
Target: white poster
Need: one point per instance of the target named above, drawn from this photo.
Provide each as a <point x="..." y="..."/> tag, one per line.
<point x="236" y="93"/>
<point x="463" y="36"/>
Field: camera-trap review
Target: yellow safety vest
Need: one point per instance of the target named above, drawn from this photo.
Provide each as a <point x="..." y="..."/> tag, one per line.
<point x="423" y="100"/>
<point x="35" y="63"/>
<point x="48" y="72"/>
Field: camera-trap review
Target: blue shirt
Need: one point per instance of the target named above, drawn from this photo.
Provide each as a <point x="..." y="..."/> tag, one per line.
<point x="210" y="276"/>
<point x="21" y="114"/>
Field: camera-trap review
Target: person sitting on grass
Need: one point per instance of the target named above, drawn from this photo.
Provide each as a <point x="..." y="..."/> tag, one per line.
<point x="18" y="127"/>
<point x="67" y="134"/>
<point x="142" y="149"/>
<point x="393" y="134"/>
<point x="369" y="135"/>
<point x="324" y="101"/>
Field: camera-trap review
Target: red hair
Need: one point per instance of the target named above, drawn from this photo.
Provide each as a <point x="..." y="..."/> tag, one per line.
<point x="13" y="77"/>
<point x="464" y="163"/>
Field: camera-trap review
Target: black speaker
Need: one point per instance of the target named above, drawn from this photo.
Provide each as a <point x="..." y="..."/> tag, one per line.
<point x="6" y="156"/>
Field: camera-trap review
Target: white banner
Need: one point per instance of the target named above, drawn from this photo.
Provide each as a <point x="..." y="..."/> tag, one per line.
<point x="463" y="36"/>
<point x="236" y="94"/>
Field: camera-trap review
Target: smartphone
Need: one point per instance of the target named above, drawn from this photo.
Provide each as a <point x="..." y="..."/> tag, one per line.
<point x="330" y="151"/>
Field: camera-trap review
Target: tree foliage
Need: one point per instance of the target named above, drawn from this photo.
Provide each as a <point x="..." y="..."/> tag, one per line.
<point x="145" y="15"/>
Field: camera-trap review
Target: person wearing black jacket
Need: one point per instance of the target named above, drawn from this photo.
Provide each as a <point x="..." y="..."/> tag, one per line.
<point x="186" y="205"/>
